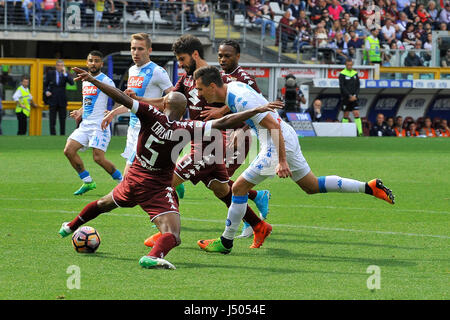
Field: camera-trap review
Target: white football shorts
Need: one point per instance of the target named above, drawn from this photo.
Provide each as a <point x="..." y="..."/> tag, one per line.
<point x="91" y="136"/>
<point x="130" y="149"/>
<point x="265" y="163"/>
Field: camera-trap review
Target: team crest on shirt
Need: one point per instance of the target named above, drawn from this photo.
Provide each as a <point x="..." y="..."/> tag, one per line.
<point x="135" y="82"/>
<point x="188" y="82"/>
<point x="89" y="91"/>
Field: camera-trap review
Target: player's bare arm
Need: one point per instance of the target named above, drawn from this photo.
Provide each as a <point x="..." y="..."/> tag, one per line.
<point x="283" y="170"/>
<point x="114" y="93"/>
<point x="235" y="119"/>
<point x="214" y="112"/>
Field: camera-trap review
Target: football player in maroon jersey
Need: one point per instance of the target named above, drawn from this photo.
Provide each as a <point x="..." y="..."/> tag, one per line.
<point x="189" y="53"/>
<point x="149" y="180"/>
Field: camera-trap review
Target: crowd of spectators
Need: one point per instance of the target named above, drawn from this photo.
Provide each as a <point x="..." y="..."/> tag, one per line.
<point x="423" y="127"/>
<point x="106" y="13"/>
<point x="345" y="25"/>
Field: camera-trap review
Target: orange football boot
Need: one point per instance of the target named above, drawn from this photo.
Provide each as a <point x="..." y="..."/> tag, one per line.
<point x="380" y="191"/>
<point x="260" y="232"/>
<point x="150" y="241"/>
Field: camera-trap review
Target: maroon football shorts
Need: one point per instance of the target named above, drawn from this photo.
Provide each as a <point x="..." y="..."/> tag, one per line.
<point x="202" y="170"/>
<point x="152" y="191"/>
<point x="234" y="163"/>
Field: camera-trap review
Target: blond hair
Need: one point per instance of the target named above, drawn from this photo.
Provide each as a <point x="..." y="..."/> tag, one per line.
<point x="143" y="37"/>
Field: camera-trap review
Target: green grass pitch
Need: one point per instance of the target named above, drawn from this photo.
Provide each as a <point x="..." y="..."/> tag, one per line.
<point x="321" y="246"/>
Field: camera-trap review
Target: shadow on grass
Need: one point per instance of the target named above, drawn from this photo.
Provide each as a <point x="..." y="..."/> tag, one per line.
<point x="106" y="255"/>
<point x="281" y="237"/>
<point x="275" y="268"/>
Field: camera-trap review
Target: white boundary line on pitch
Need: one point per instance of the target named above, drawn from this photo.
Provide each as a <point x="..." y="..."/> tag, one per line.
<point x="272" y="205"/>
<point x="275" y="225"/>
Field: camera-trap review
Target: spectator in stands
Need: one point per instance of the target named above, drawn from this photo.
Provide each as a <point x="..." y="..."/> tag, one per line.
<point x="354" y="43"/>
<point x="171" y="11"/>
<point x="295" y="8"/>
<point x="27" y="7"/>
<point x="255" y="15"/>
<point x="317" y="11"/>
<point x="340" y="47"/>
<point x="302" y="21"/>
<point x="321" y="35"/>
<point x="359" y="29"/>
<point x="392" y="11"/>
<point x="401" y="24"/>
<point x="379" y="129"/>
<point x="315" y="111"/>
<point x="302" y="39"/>
<point x="445" y="60"/>
<point x="411" y="11"/>
<point x="353" y="7"/>
<point x="201" y="10"/>
<point x="326" y="19"/>
<point x="398" y="127"/>
<point x="388" y="32"/>
<point x="444" y="130"/>
<point x="428" y="44"/>
<point x="412" y="130"/>
<point x="428" y="129"/>
<point x="335" y="9"/>
<point x="422" y="13"/>
<point x="287" y="31"/>
<point x="409" y="36"/>
<point x="412" y="59"/>
<point x="335" y="28"/>
<point x="372" y="46"/>
<point x="187" y="10"/>
<point x="402" y="4"/>
<point x="99" y="8"/>
<point x="432" y="11"/>
<point x="444" y="16"/>
<point x="442" y="26"/>
<point x="51" y="11"/>
<point x="238" y="6"/>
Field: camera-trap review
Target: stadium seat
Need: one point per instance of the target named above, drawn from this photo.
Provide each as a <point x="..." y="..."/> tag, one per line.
<point x="157" y="16"/>
<point x="275" y="7"/>
<point x="140" y="16"/>
<point x="239" y="20"/>
<point x="122" y="121"/>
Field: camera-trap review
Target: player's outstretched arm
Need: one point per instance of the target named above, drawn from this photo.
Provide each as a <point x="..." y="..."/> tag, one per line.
<point x="232" y="120"/>
<point x="114" y="93"/>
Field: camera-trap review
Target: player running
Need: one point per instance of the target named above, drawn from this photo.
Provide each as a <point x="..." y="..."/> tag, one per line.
<point x="279" y="154"/>
<point x="228" y="55"/>
<point x="149" y="180"/>
<point x="90" y="134"/>
<point x="189" y="53"/>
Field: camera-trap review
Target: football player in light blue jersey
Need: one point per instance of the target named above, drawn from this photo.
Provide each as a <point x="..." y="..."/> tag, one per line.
<point x="280" y="154"/>
<point x="90" y="134"/>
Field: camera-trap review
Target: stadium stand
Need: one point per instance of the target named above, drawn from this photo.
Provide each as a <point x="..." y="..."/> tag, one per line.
<point x="307" y="31"/>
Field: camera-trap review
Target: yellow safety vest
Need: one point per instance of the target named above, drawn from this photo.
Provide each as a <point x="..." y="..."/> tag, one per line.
<point x="374" y="51"/>
<point x="25" y="100"/>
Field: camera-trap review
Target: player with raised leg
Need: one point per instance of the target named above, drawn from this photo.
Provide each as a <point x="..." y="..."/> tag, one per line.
<point x="149" y="180"/>
<point x="90" y="134"/>
<point x="280" y="154"/>
<point x="228" y="54"/>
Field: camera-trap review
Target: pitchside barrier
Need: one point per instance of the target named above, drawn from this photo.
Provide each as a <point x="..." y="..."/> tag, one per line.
<point x="316" y="81"/>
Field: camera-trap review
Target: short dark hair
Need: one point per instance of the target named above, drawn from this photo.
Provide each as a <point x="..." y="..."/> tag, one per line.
<point x="188" y="44"/>
<point x="208" y="75"/>
<point x="96" y="53"/>
<point x="25" y="77"/>
<point x="231" y="43"/>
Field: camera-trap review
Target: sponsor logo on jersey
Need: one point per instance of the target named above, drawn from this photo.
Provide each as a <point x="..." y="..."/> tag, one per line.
<point x="135" y="82"/>
<point x="89" y="91"/>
